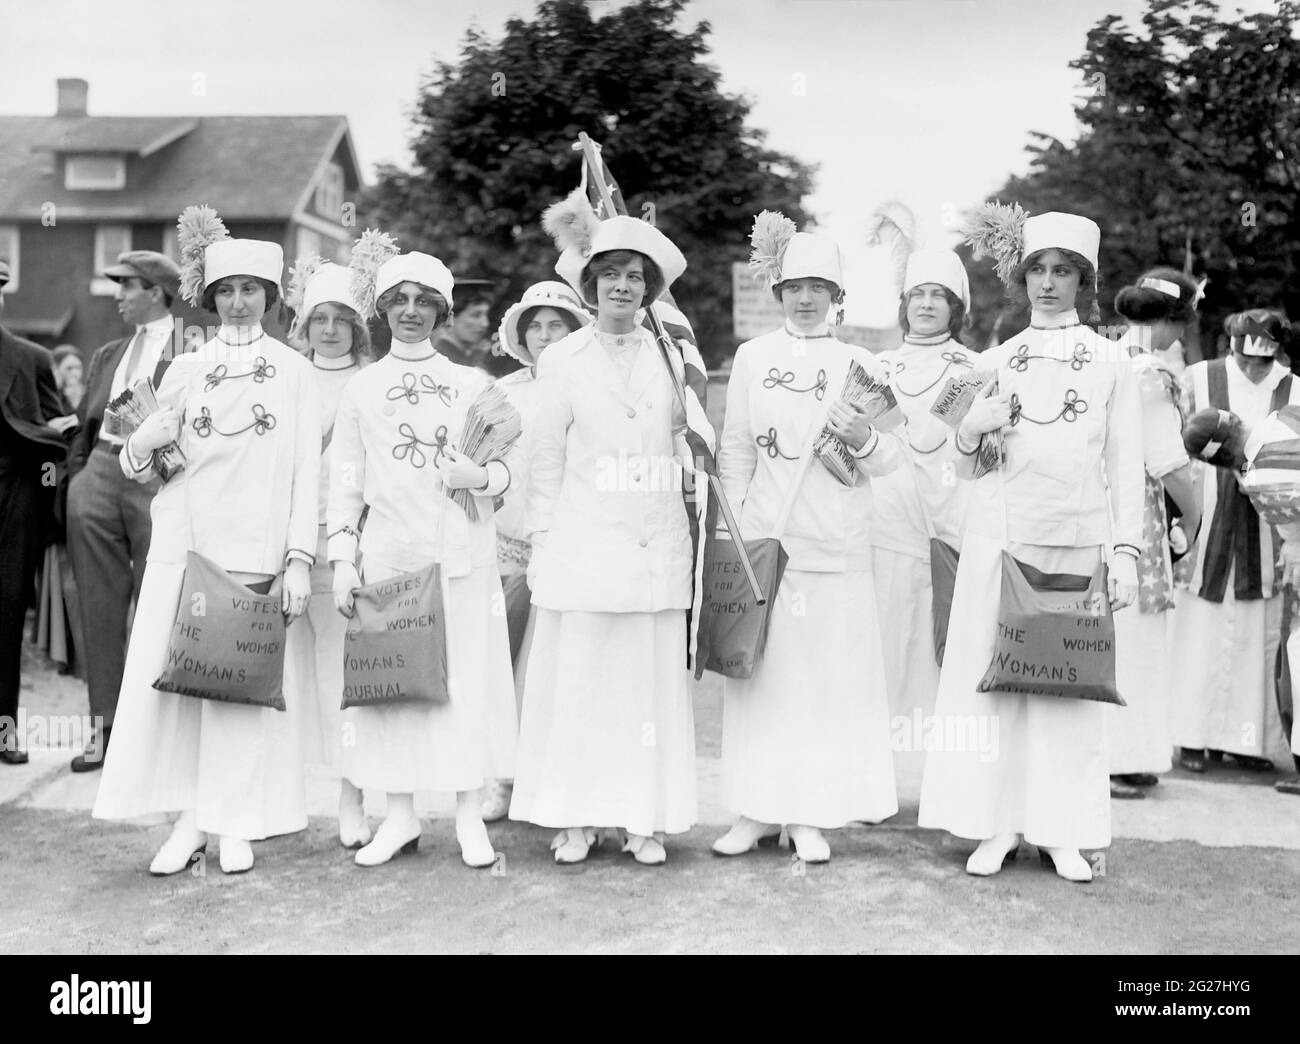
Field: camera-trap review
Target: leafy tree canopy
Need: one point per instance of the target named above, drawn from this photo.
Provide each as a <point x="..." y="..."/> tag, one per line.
<point x="492" y="135"/>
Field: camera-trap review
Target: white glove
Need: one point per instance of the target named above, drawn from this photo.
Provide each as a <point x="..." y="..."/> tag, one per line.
<point x="156" y="431"/>
<point x="459" y="472"/>
<point x="346" y="582"/>
<point x="1177" y="540"/>
<point x="989" y="412"/>
<point x="538" y="542"/>
<point x="1123" y="581"/>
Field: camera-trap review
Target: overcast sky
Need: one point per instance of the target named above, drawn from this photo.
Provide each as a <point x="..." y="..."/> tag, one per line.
<point x="929" y="101"/>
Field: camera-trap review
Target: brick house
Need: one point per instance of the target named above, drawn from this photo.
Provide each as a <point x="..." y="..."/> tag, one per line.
<point x="76" y="190"/>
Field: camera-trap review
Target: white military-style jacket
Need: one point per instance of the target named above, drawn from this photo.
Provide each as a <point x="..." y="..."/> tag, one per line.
<point x="1074" y="474"/>
<point x="251" y="435"/>
<point x="606" y="473"/>
<point x="926" y="485"/>
<point x="781" y="389"/>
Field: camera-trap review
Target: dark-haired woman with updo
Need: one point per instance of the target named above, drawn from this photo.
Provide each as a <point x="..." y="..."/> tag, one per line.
<point x="1228" y="624"/>
<point x="1158" y="307"/>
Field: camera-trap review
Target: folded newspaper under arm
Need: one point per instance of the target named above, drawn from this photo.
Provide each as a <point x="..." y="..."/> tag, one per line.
<point x="876" y="399"/>
<point x="954" y="402"/>
<point x="492" y="426"/>
<point x="124" y="414"/>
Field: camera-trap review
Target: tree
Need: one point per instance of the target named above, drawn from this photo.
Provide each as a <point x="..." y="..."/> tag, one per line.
<point x="492" y="137"/>
<point x="1189" y="156"/>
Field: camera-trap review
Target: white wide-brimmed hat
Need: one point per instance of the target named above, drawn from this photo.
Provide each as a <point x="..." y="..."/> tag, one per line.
<point x="415" y="267"/>
<point x="549" y="294"/>
<point x="623" y="233"/>
<point x="1056" y="230"/>
<point x="937" y="266"/>
<point x="248" y="257"/>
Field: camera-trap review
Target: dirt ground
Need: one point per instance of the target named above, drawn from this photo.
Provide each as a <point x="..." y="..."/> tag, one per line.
<point x="79" y="886"/>
<point x="74" y="885"/>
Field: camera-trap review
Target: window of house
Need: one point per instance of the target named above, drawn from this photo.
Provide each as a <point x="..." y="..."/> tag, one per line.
<point x="309" y="243"/>
<point x="110" y="240"/>
<point x="94" y="172"/>
<point x="9" y="254"/>
<point x="169" y="245"/>
<point x="329" y="193"/>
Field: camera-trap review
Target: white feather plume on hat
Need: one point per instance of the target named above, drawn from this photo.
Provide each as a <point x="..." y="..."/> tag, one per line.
<point x="371" y="250"/>
<point x="197" y="227"/>
<point x="768" y="239"/>
<point x="571" y="223"/>
<point x="893" y="226"/>
<point x="997" y="230"/>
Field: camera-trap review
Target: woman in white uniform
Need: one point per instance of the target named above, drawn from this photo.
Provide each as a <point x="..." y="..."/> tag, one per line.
<point x="923" y="498"/>
<point x="548" y="312"/>
<point x="245" y="410"/>
<point x="1068" y="408"/>
<point x="607" y="737"/>
<point x="394" y="458"/>
<point x="1158" y="306"/>
<point x="331" y="333"/>
<point x="805" y="740"/>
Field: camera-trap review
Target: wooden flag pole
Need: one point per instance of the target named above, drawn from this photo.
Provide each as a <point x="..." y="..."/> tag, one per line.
<point x="595" y="169"/>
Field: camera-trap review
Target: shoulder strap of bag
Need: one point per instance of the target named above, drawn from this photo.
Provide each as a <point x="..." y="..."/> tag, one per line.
<point x="1281" y="394"/>
<point x="1216" y="380"/>
<point x="783" y="519"/>
<point x="920" y="494"/>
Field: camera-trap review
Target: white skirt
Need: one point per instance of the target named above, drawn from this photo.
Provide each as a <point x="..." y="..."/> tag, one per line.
<point x="608" y="731"/>
<point x="1045" y="775"/>
<point x="1223" y="692"/>
<point x="455" y="746"/>
<point x="904" y="598"/>
<point x="313" y="668"/>
<point x="806" y="739"/>
<point x="1137" y="735"/>
<point x="238" y="768"/>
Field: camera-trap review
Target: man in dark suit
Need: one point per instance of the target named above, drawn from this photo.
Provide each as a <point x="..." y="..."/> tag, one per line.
<point x="108" y="514"/>
<point x="29" y="452"/>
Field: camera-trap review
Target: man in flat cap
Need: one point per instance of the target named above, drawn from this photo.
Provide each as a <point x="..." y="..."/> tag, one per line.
<point x="464" y="339"/>
<point x="29" y="451"/>
<point x="108" y="514"/>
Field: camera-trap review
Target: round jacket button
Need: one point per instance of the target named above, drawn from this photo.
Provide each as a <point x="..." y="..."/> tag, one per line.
<point x="631" y="412"/>
<point x="644" y="542"/>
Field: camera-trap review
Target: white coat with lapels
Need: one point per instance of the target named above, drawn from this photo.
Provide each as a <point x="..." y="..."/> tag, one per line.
<point x="607" y="665"/>
<point x="605" y="482"/>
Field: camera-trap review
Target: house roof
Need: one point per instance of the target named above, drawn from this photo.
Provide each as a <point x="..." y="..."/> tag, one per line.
<point x="247" y="167"/>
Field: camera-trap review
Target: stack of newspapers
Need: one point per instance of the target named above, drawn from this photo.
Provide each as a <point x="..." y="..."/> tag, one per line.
<point x="492" y="426"/>
<point x="124" y="414"/>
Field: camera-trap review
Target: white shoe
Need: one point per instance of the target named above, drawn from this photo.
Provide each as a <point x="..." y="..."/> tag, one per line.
<point x="744" y="836"/>
<point x="181" y="850"/>
<point x="496" y="800"/>
<point x="809" y="844"/>
<point x="648" y="851"/>
<point x="354" y="829"/>
<point x="1068" y="863"/>
<point x="572" y="845"/>
<point x="475" y="846"/>
<point x="393" y="836"/>
<point x="988" y="858"/>
<point x="236" y="855"/>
